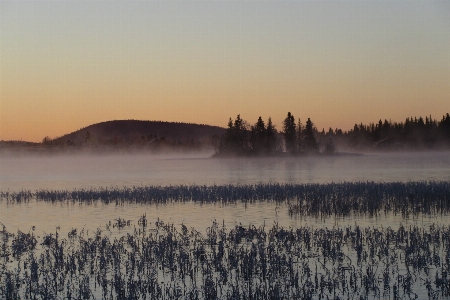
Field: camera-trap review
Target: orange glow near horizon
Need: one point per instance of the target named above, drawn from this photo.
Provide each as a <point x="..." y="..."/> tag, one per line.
<point x="338" y="63"/>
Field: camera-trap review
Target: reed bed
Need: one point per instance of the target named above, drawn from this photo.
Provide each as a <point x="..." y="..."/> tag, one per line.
<point x="144" y="260"/>
<point x="159" y="261"/>
<point x="339" y="199"/>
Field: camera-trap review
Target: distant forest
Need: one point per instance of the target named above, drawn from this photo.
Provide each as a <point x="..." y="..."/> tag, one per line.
<point x="296" y="138"/>
<point x="413" y="134"/>
<point x="244" y="139"/>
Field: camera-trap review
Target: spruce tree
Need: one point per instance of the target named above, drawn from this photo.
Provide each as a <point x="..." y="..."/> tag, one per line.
<point x="271" y="139"/>
<point x="310" y="142"/>
<point x="289" y="131"/>
<point x="258" y="136"/>
<point x="300" y="142"/>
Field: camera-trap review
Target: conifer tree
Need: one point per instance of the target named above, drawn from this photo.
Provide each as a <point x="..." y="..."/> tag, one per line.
<point x="310" y="143"/>
<point x="300" y="142"/>
<point x="235" y="139"/>
<point x="271" y="139"/>
<point x="289" y="132"/>
<point x="258" y="136"/>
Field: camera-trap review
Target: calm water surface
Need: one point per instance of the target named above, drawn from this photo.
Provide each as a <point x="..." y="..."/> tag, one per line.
<point x="70" y="172"/>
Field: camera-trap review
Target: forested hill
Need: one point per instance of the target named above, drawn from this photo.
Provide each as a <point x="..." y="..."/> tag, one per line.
<point x="131" y="131"/>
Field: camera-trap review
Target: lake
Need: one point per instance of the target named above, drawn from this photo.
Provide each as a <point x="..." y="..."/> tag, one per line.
<point x="94" y="171"/>
<point x="384" y="241"/>
<point x="77" y="171"/>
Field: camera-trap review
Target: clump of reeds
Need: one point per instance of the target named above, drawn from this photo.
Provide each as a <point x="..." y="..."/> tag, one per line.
<point x="338" y="199"/>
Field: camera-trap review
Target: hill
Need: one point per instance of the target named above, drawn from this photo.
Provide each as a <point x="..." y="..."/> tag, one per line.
<point x="132" y="131"/>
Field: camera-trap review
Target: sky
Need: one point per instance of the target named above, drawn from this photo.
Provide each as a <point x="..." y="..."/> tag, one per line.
<point x="65" y="65"/>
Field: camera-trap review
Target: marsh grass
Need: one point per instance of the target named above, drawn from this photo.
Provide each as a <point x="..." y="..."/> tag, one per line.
<point x="337" y="199"/>
<point x="157" y="261"/>
<point x="144" y="260"/>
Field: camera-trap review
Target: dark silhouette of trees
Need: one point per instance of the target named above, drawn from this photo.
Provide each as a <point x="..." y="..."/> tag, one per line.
<point x="236" y="138"/>
<point x="258" y="136"/>
<point x="263" y="139"/>
<point x="271" y="137"/>
<point x="290" y="134"/>
<point x="241" y="139"/>
<point x="300" y="137"/>
<point x="412" y="134"/>
<point x="310" y="143"/>
<point x="444" y="127"/>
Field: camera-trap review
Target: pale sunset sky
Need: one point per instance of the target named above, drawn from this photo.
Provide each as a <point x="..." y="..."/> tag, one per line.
<point x="65" y="65"/>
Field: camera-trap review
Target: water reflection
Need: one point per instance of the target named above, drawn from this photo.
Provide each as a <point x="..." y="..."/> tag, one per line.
<point x="69" y="172"/>
<point x="47" y="216"/>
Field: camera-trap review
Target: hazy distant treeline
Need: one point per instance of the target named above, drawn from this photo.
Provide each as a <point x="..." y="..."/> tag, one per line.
<point x="413" y="134"/>
<point x="244" y="139"/>
<point x="241" y="138"/>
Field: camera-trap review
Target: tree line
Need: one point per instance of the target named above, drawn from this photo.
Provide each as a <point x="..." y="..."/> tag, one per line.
<point x="241" y="138"/>
<point x="412" y="134"/>
<point x="296" y="138"/>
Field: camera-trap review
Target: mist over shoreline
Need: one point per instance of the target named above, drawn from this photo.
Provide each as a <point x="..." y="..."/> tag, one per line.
<point x="242" y="138"/>
<point x="62" y="171"/>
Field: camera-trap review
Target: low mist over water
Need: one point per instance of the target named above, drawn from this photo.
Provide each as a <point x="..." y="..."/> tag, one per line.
<point x="86" y="171"/>
<point x="50" y="202"/>
<point x="69" y="172"/>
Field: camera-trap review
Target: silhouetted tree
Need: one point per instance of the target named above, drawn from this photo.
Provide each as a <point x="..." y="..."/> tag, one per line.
<point x="271" y="139"/>
<point x="413" y="133"/>
<point x="330" y="132"/>
<point x="235" y="139"/>
<point x="289" y="132"/>
<point x="444" y="128"/>
<point x="300" y="140"/>
<point x="242" y="129"/>
<point x="227" y="143"/>
<point x="258" y="136"/>
<point x="310" y="143"/>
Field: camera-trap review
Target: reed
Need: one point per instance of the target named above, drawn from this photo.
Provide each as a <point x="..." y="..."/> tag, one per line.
<point x="158" y="261"/>
<point x="338" y="199"/>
